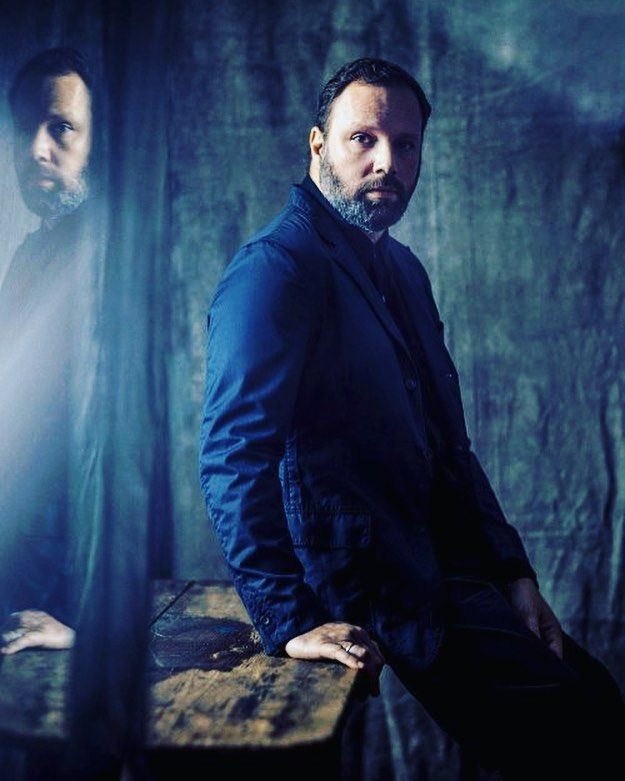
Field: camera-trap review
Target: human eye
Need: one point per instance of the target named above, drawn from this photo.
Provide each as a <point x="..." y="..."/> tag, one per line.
<point x="407" y="145"/>
<point x="60" y="128"/>
<point x="363" y="139"/>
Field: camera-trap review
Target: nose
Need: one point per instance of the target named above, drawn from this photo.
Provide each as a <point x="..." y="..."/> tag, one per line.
<point x="384" y="162"/>
<point x="41" y="145"/>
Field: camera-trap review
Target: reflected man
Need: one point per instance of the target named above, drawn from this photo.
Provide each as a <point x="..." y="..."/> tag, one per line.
<point x="51" y="106"/>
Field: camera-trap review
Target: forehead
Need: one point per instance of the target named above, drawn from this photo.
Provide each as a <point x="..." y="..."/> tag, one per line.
<point x="394" y="107"/>
<point x="65" y="95"/>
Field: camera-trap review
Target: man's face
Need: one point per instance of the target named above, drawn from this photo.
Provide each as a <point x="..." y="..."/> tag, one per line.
<point x="367" y="161"/>
<point x="52" y="145"/>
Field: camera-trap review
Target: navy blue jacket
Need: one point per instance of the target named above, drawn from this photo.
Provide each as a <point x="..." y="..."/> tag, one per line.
<point x="326" y="497"/>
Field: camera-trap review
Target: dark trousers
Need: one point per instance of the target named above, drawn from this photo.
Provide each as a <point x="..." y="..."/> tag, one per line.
<point x="507" y="699"/>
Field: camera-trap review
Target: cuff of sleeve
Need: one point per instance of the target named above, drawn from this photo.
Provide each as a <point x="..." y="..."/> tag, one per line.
<point x="510" y="570"/>
<point x="276" y="629"/>
<point x="279" y="618"/>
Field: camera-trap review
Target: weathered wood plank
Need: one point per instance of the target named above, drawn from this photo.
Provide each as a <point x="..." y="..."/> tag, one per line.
<point x="214" y="687"/>
<point x="165" y="593"/>
<point x="32" y="683"/>
<point x="32" y="694"/>
<point x="211" y="685"/>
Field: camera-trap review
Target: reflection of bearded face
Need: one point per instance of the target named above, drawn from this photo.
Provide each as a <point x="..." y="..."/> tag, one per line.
<point x="50" y="195"/>
<point x="52" y="145"/>
<point x="356" y="208"/>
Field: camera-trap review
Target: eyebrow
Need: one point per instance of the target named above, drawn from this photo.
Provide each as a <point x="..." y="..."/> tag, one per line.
<point x="65" y="117"/>
<point x="369" y="129"/>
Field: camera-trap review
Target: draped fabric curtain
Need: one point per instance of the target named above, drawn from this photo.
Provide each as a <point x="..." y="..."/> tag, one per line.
<point x="122" y="491"/>
<point x="118" y="499"/>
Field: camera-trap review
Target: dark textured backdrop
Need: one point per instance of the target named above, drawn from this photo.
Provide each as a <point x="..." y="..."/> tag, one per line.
<point x="517" y="219"/>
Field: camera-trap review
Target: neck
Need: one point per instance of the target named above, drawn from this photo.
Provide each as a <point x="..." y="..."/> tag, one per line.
<point x="374" y="236"/>
<point x="48" y="223"/>
<point x="52" y="221"/>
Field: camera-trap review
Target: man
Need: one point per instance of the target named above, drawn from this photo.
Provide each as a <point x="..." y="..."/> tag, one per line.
<point x="51" y="105"/>
<point x="356" y="520"/>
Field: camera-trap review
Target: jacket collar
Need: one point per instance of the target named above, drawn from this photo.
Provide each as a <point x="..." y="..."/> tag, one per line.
<point x="360" y="243"/>
<point x="334" y="236"/>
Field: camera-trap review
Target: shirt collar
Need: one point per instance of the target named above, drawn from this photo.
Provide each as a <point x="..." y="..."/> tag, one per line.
<point x="365" y="249"/>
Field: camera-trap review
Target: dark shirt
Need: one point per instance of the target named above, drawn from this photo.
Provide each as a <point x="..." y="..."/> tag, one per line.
<point x="376" y="260"/>
<point x="37" y="301"/>
<point x="371" y="254"/>
<point x="456" y="541"/>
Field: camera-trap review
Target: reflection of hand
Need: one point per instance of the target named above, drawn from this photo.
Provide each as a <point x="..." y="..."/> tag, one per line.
<point x="35" y="629"/>
<point x="346" y="643"/>
<point x="536" y="613"/>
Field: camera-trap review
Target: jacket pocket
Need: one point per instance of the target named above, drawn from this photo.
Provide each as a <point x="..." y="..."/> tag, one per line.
<point x="325" y="528"/>
<point x="334" y="548"/>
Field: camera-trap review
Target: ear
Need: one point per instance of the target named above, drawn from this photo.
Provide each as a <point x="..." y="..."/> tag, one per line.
<point x="315" y="142"/>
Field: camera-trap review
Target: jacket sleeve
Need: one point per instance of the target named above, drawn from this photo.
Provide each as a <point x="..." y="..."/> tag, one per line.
<point x="503" y="543"/>
<point x="260" y="324"/>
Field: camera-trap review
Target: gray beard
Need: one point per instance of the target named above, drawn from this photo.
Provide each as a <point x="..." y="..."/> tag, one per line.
<point x="369" y="216"/>
<point x="58" y="203"/>
<point x="67" y="201"/>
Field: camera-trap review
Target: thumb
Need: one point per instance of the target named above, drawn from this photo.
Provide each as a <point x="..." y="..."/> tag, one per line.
<point x="552" y="634"/>
<point x="555" y="647"/>
<point x="531" y="619"/>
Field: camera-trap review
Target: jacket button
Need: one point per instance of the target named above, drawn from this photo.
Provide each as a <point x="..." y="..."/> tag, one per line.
<point x="265" y="620"/>
<point x="410" y="383"/>
<point x="449" y="376"/>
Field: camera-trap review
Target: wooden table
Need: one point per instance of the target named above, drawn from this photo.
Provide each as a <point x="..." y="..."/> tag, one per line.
<point x="215" y="700"/>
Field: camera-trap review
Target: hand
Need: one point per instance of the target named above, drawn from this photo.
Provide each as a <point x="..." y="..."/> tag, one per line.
<point x="536" y="613"/>
<point x="35" y="629"/>
<point x="345" y="643"/>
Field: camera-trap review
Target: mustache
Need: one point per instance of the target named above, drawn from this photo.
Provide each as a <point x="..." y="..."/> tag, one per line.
<point x="386" y="182"/>
<point x="37" y="170"/>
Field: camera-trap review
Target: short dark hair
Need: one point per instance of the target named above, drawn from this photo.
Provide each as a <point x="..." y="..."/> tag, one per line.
<point x="50" y="63"/>
<point x="371" y="71"/>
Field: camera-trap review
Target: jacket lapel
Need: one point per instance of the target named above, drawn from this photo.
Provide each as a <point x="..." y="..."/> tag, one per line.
<point x="342" y="253"/>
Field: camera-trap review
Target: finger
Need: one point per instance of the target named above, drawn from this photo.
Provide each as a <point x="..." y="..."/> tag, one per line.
<point x="27" y="640"/>
<point x="364" y="639"/>
<point x="29" y="617"/>
<point x="359" y="651"/>
<point x="336" y="651"/>
<point x="363" y="654"/>
<point x="372" y="664"/>
<point x="556" y="647"/>
<point x="532" y="621"/>
<point x="11" y="635"/>
<point x="553" y="637"/>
